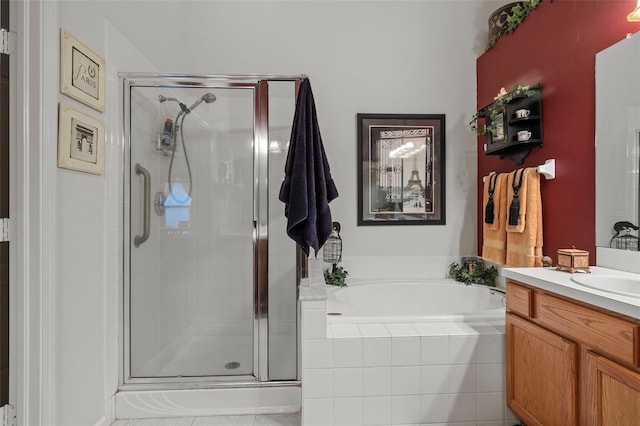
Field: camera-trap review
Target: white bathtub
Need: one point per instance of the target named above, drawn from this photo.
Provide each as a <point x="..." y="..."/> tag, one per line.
<point x="412" y="352"/>
<point x="413" y="301"/>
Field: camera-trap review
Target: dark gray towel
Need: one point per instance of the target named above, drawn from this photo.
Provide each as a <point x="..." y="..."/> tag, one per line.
<point x="307" y="188"/>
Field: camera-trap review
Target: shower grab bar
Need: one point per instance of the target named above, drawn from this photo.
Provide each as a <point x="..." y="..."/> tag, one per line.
<point x="139" y="239"/>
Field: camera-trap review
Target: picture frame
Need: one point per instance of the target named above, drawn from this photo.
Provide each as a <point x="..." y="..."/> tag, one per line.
<point x="82" y="72"/>
<point x="80" y="141"/>
<point x="401" y="169"/>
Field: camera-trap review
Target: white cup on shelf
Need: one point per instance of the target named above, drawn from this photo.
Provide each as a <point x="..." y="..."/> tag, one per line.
<point x="524" y="135"/>
<point x="522" y="113"/>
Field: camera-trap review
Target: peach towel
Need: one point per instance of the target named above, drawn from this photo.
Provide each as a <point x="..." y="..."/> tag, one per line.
<point x="524" y="240"/>
<point x="494" y="235"/>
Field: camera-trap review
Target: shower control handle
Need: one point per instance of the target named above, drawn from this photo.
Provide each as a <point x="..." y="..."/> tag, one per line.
<point x="146" y="216"/>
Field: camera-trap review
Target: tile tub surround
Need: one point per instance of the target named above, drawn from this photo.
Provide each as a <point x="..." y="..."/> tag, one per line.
<point x="400" y="373"/>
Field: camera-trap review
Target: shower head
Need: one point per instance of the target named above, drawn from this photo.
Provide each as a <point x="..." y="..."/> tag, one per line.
<point x="183" y="107"/>
<point x="207" y="97"/>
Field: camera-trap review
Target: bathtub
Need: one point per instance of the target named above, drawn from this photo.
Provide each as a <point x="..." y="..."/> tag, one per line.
<point x="442" y="300"/>
<point x="390" y="352"/>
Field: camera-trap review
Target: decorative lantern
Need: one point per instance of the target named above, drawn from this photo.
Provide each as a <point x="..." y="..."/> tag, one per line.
<point x="332" y="249"/>
<point x="622" y="238"/>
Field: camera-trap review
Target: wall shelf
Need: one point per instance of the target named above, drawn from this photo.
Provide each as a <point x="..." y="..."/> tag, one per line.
<point x="505" y="142"/>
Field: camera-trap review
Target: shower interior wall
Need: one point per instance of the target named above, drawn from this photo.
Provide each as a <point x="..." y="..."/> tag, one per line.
<point x="439" y="42"/>
<point x="193" y="283"/>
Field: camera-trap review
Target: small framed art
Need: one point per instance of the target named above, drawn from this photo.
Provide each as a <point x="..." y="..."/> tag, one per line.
<point x="401" y="169"/>
<point x="82" y="72"/>
<point x="80" y="141"/>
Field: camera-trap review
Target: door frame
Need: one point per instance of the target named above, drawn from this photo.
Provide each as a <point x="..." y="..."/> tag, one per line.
<point x="32" y="204"/>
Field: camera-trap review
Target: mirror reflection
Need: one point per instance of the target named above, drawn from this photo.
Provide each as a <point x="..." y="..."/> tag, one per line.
<point x="618" y="145"/>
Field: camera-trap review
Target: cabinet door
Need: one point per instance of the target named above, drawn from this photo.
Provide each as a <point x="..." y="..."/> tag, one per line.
<point x="541" y="374"/>
<point x="612" y="393"/>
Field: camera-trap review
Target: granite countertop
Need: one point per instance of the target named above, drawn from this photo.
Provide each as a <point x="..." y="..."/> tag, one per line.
<point x="560" y="282"/>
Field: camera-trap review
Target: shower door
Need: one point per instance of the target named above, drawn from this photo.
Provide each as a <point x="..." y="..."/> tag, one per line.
<point x="195" y="242"/>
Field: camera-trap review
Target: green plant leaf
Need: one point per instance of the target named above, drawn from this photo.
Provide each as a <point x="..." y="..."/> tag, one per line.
<point x="336" y="277"/>
<point x="480" y="275"/>
<point x="518" y="13"/>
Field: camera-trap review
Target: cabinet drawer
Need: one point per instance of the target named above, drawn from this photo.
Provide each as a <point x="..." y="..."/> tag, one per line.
<point x="519" y="299"/>
<point x="600" y="331"/>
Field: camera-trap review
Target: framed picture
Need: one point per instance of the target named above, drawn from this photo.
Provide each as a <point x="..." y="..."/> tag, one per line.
<point x="80" y="141"/>
<point x="82" y="72"/>
<point x="401" y="169"/>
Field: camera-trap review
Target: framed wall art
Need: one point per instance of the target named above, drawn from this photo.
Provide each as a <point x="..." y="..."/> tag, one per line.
<point x="80" y="141"/>
<point x="82" y="72"/>
<point x="401" y="169"/>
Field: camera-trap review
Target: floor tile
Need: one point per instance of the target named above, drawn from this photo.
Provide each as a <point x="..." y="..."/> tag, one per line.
<point x="168" y="421"/>
<point x="244" y="420"/>
<point x="225" y="420"/>
<point x="278" y="420"/>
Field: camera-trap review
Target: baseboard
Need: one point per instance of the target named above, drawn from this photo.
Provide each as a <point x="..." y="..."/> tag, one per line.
<point x="208" y="402"/>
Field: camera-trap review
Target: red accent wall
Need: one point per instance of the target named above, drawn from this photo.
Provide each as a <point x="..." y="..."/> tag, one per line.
<point x="555" y="46"/>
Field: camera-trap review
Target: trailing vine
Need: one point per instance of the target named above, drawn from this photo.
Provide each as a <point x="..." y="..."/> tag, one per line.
<point x="518" y="13"/>
<point x="493" y="110"/>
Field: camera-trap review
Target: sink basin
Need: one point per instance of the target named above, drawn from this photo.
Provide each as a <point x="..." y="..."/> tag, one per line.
<point x="609" y="283"/>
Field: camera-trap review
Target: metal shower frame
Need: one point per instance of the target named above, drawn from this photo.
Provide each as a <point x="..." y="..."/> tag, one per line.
<point x="259" y="82"/>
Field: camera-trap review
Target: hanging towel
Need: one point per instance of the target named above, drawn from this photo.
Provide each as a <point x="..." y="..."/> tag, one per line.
<point x="307" y="188"/>
<point x="494" y="235"/>
<point x="524" y="240"/>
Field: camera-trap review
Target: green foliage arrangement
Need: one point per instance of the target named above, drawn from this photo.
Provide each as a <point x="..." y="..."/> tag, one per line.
<point x="518" y="13"/>
<point x="479" y="275"/>
<point x="493" y="110"/>
<point x="336" y="277"/>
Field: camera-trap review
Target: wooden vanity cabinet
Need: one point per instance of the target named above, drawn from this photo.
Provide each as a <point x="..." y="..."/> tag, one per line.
<point x="570" y="363"/>
<point x="611" y="392"/>
<point x="541" y="374"/>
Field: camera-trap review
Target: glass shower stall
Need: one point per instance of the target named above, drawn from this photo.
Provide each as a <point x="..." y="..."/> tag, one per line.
<point x="210" y="287"/>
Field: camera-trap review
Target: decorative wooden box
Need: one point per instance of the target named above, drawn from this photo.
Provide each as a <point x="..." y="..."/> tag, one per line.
<point x="573" y="260"/>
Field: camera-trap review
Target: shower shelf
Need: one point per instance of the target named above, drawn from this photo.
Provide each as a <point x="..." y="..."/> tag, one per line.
<point x="165" y="150"/>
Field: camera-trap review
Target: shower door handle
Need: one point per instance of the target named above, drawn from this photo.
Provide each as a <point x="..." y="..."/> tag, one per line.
<point x="146" y="214"/>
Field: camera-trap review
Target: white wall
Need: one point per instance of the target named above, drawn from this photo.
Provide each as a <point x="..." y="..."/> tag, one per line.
<point x="371" y="57"/>
<point x="384" y="57"/>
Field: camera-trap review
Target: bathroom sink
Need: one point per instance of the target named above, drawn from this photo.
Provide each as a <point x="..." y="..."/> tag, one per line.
<point x="609" y="283"/>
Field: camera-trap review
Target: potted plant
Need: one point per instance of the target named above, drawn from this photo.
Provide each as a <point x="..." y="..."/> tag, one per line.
<point x="336" y="277"/>
<point x="479" y="274"/>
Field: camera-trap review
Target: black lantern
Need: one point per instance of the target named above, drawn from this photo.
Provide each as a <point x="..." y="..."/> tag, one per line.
<point x="623" y="239"/>
<point x="332" y="249"/>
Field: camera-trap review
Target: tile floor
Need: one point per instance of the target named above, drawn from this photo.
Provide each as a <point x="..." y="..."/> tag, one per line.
<point x="245" y="420"/>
